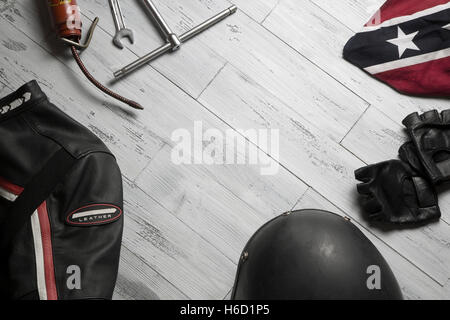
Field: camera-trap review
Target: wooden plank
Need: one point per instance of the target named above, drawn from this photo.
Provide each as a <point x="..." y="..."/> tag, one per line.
<point x="302" y="25"/>
<point x="173" y="250"/>
<point x="22" y="61"/>
<point x="320" y="163"/>
<point x="138" y="281"/>
<point x="414" y="283"/>
<point x="258" y="10"/>
<point x="351" y="13"/>
<point x="224" y="203"/>
<point x="376" y="138"/>
<point x="228" y="296"/>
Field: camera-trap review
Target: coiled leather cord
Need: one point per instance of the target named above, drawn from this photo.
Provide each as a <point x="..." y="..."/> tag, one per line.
<point x="91" y="78"/>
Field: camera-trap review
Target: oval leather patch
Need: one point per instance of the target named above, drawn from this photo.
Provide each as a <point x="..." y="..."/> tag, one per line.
<point x="94" y="214"/>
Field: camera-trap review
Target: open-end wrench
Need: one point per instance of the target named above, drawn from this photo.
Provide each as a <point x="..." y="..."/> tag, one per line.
<point x="121" y="30"/>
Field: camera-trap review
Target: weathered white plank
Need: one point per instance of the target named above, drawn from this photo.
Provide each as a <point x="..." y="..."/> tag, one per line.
<point x="377" y="138"/>
<point x="415" y="284"/>
<point x="173" y="250"/>
<point x="228" y="296"/>
<point x="225" y="204"/>
<point x="320" y="38"/>
<point x="320" y="162"/>
<point x="351" y="13"/>
<point x="138" y="281"/>
<point x="258" y="10"/>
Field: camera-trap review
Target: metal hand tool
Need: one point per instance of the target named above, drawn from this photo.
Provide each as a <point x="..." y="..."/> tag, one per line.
<point x="121" y="30"/>
<point x="172" y="41"/>
<point x="169" y="36"/>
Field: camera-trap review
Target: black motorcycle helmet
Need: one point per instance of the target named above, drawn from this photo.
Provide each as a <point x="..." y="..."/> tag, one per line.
<point x="312" y="254"/>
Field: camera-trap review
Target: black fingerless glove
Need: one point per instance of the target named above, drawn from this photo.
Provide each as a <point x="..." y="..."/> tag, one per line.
<point x="393" y="191"/>
<point x="430" y="135"/>
<point x="408" y="153"/>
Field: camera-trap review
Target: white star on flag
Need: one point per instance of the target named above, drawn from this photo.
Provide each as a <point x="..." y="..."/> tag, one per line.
<point x="404" y="41"/>
<point x="447" y="27"/>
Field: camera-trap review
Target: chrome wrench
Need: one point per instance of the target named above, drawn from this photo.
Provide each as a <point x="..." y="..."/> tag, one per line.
<point x="121" y="30"/>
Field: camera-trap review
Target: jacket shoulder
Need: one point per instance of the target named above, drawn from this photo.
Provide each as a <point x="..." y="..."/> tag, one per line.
<point x="54" y="124"/>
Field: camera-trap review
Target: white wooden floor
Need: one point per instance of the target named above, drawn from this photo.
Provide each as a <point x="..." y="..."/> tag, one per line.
<point x="274" y="64"/>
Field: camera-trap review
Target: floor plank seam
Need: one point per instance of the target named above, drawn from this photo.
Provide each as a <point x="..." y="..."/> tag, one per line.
<point x="212" y="80"/>
<point x="356" y="122"/>
<point x="300" y="199"/>
<point x="357" y="157"/>
<point x="388" y="116"/>
<point x="333" y="17"/>
<point x="163" y="145"/>
<point x="228" y="293"/>
<point x="270" y="12"/>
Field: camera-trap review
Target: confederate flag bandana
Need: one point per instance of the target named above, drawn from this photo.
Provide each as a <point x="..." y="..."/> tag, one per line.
<point x="406" y="45"/>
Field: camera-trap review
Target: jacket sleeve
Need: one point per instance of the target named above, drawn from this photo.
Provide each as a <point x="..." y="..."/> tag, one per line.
<point x="86" y="221"/>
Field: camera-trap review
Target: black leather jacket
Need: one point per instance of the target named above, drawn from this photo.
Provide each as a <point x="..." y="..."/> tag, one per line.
<point x="69" y="245"/>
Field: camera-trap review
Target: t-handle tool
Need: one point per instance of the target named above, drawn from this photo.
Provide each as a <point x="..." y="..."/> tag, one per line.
<point x="171" y="44"/>
<point x="121" y="30"/>
<point x="167" y="33"/>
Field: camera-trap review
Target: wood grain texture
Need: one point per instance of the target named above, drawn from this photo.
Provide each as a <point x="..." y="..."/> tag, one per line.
<point x="375" y="137"/>
<point x="276" y="64"/>
<point x="225" y="204"/>
<point x="351" y="13"/>
<point x="137" y="280"/>
<point x="258" y="10"/>
<point x="174" y="250"/>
